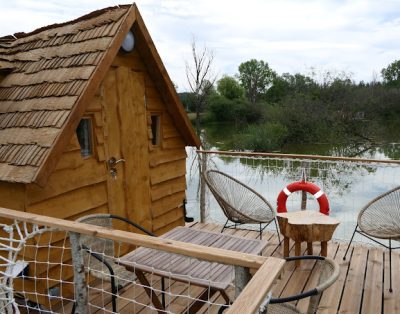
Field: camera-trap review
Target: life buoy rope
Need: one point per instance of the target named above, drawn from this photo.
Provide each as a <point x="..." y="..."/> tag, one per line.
<point x="303" y="186"/>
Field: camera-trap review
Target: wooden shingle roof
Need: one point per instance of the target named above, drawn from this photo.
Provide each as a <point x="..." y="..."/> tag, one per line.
<point x="51" y="74"/>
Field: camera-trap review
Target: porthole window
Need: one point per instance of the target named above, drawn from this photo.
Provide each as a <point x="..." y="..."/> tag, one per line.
<point x="155" y="129"/>
<point x="84" y="133"/>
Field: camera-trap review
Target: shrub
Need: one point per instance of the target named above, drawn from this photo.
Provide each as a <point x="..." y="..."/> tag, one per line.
<point x="265" y="137"/>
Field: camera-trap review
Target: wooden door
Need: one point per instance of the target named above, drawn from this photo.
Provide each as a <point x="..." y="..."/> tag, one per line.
<point x="126" y="137"/>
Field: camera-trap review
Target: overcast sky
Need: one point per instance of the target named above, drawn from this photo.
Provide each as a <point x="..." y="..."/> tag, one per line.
<point x="359" y="37"/>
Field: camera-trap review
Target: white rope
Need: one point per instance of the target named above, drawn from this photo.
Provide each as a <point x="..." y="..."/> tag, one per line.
<point x="265" y="303"/>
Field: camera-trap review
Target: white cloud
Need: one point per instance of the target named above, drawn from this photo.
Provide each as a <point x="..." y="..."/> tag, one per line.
<point x="359" y="36"/>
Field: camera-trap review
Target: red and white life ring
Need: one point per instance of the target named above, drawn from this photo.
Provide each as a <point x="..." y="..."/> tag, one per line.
<point x="303" y="186"/>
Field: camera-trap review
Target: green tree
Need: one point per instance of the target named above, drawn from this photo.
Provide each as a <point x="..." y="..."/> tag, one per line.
<point x="300" y="83"/>
<point x="187" y="101"/>
<point x="279" y="89"/>
<point x="391" y="74"/>
<point x="256" y="77"/>
<point x="229" y="87"/>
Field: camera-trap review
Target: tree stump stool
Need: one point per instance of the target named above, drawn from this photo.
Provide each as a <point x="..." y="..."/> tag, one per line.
<point x="306" y="226"/>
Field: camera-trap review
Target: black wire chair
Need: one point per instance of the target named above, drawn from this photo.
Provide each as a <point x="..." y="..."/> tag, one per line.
<point x="380" y="218"/>
<point x="329" y="273"/>
<point x="240" y="203"/>
<point x="102" y="252"/>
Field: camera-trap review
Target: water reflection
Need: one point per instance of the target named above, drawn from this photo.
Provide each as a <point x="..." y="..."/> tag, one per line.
<point x="219" y="136"/>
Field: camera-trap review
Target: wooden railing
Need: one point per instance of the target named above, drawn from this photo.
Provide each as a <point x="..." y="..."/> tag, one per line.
<point x="267" y="268"/>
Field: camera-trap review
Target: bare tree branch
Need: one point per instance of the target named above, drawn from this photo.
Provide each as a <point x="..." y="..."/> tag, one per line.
<point x="200" y="77"/>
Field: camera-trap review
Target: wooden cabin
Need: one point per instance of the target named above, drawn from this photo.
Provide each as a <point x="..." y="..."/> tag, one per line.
<point x="90" y="122"/>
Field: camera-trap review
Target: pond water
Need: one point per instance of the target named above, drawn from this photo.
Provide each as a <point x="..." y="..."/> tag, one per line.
<point x="349" y="186"/>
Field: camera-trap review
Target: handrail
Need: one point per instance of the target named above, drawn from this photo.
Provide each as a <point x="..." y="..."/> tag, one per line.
<point x="299" y="156"/>
<point x="255" y="292"/>
<point x="193" y="250"/>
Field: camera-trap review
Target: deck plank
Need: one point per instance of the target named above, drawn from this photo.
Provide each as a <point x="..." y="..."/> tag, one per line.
<point x="391" y="302"/>
<point x="372" y="299"/>
<point x="279" y="289"/>
<point x="330" y="300"/>
<point x="352" y="294"/>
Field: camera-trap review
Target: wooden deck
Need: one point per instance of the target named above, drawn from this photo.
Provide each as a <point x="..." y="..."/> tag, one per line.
<point x="362" y="287"/>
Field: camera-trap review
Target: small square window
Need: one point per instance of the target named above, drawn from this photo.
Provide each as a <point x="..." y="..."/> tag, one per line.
<point x="155" y="129"/>
<point x="84" y="133"/>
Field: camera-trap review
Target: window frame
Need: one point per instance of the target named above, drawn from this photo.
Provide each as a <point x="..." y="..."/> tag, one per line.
<point x="91" y="137"/>
<point x="158" y="129"/>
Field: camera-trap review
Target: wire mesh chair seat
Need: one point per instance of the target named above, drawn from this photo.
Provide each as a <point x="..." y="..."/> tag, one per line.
<point x="101" y="259"/>
<point x="380" y="218"/>
<point x="329" y="273"/>
<point x="240" y="203"/>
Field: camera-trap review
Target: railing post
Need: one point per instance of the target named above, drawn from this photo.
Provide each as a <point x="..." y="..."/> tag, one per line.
<point x="81" y="299"/>
<point x="303" y="193"/>
<point x="202" y="169"/>
<point x="303" y="200"/>
<point x="242" y="277"/>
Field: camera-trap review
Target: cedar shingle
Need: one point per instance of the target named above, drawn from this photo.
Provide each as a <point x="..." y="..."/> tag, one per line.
<point x="59" y="75"/>
<point x="41" y="136"/>
<point x="37" y="160"/>
<point x="22" y="155"/>
<point x="13" y="153"/>
<point x="25" y="155"/>
<point x="17" y="160"/>
<point x="65" y="50"/>
<point x="29" y="156"/>
<point x="45" y="103"/>
<point x="13" y="118"/>
<point x="61" y="119"/>
<point x="40" y="90"/>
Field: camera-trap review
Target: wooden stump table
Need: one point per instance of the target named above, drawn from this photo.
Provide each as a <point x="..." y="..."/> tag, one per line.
<point x="306" y="226"/>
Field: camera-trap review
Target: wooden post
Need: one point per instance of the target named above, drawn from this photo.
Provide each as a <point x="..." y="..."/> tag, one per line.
<point x="303" y="193"/>
<point x="285" y="247"/>
<point x="254" y="295"/>
<point x="309" y="248"/>
<point x="81" y="299"/>
<point x="297" y="251"/>
<point x="303" y="200"/>
<point x="242" y="277"/>
<point x="202" y="169"/>
<point x="324" y="248"/>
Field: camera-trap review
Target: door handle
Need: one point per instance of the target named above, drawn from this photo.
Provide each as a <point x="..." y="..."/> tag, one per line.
<point x="112" y="163"/>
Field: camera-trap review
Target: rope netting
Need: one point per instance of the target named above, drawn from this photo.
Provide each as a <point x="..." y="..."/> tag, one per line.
<point x="39" y="268"/>
<point x="348" y="184"/>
